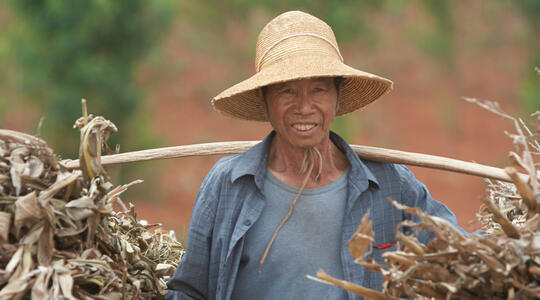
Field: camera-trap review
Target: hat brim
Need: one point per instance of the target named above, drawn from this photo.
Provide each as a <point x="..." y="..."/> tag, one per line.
<point x="359" y="88"/>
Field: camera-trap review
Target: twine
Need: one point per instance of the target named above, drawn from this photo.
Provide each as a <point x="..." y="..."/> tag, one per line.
<point x="308" y="155"/>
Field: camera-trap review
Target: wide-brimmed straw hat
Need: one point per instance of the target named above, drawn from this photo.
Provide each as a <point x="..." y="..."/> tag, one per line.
<point x="293" y="46"/>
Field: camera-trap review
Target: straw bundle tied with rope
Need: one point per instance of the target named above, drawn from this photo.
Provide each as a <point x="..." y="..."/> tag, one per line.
<point x="60" y="237"/>
<point x="502" y="264"/>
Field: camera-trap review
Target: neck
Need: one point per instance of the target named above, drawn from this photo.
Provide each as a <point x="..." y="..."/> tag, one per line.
<point x="286" y="162"/>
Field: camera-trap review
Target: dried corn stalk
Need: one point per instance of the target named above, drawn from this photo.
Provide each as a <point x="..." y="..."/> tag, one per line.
<point x="59" y="235"/>
<point x="503" y="264"/>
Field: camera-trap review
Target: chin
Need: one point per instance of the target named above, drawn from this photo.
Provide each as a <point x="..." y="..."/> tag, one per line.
<point x="305" y="146"/>
<point x="305" y="143"/>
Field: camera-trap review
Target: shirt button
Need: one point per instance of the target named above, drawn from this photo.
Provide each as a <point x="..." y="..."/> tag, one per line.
<point x="247" y="222"/>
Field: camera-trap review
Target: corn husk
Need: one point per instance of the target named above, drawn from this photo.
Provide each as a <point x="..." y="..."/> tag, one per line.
<point x="502" y="264"/>
<point x="59" y="235"/>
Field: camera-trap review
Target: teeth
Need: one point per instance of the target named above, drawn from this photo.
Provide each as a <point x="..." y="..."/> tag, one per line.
<point x="303" y="127"/>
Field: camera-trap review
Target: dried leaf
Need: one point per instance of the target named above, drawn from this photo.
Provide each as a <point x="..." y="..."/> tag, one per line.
<point x="362" y="237"/>
<point x="411" y="243"/>
<point x="34" y="234"/>
<point x="94" y="135"/>
<point x="63" y="180"/>
<point x="523" y="188"/>
<point x="80" y="208"/>
<point x="64" y="280"/>
<point x="506" y="225"/>
<point x="69" y="243"/>
<point x="19" y="280"/>
<point x="357" y="289"/>
<point x="18" y="166"/>
<point x="165" y="269"/>
<point x="14" y="287"/>
<point x="70" y="231"/>
<point x="15" y="260"/>
<point x="27" y="209"/>
<point x="5" y="223"/>
<point x="45" y="247"/>
<point x="40" y="288"/>
<point x="34" y="167"/>
<point x="16" y="180"/>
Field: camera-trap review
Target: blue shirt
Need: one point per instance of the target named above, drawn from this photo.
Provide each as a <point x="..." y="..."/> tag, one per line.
<point x="231" y="200"/>
<point x="308" y="241"/>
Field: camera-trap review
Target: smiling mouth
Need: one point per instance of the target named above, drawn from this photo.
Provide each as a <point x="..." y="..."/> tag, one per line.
<point x="303" y="127"/>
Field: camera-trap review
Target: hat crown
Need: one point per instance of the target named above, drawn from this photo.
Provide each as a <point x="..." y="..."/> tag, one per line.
<point x="294" y="33"/>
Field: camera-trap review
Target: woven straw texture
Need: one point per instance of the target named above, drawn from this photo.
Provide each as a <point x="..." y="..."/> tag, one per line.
<point x="296" y="45"/>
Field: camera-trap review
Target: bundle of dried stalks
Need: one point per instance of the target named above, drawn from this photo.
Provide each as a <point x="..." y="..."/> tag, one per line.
<point x="503" y="264"/>
<point x="59" y="235"/>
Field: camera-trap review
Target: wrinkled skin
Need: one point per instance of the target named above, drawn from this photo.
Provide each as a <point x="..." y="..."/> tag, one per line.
<point x="301" y="112"/>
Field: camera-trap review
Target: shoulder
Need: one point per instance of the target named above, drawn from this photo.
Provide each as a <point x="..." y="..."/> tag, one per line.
<point x="396" y="178"/>
<point x="222" y="169"/>
<point x="216" y="180"/>
<point x="223" y="166"/>
<point x="384" y="171"/>
<point x="227" y="169"/>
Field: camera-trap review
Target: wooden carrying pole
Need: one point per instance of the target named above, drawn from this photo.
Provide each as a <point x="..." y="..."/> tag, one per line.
<point x="365" y="152"/>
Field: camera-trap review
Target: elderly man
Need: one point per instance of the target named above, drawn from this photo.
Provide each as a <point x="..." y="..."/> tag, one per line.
<point x="266" y="218"/>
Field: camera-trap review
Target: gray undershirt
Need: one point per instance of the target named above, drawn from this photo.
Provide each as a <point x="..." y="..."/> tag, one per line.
<point x="309" y="240"/>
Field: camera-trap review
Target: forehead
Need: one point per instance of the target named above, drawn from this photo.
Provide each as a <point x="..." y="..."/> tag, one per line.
<point x="324" y="80"/>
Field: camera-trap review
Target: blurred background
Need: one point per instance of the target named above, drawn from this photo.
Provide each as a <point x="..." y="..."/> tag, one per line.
<point x="152" y="67"/>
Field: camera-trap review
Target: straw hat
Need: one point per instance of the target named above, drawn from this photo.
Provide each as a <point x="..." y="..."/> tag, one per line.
<point x="293" y="46"/>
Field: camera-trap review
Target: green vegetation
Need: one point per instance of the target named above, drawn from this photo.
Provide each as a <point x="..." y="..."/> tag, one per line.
<point x="438" y="42"/>
<point x="68" y="50"/>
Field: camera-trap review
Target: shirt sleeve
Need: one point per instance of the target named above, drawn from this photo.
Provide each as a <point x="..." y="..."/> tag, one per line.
<point x="415" y="194"/>
<point x="190" y="280"/>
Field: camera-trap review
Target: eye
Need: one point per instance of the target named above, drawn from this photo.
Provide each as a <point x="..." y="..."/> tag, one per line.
<point x="287" y="91"/>
<point x="319" y="89"/>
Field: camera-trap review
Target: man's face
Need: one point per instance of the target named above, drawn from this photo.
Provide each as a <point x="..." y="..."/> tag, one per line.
<point x="302" y="111"/>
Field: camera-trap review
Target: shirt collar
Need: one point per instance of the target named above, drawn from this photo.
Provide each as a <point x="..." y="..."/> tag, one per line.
<point x="359" y="170"/>
<point x="255" y="161"/>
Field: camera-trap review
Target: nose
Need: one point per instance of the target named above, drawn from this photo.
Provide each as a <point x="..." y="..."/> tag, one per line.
<point x="304" y="103"/>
